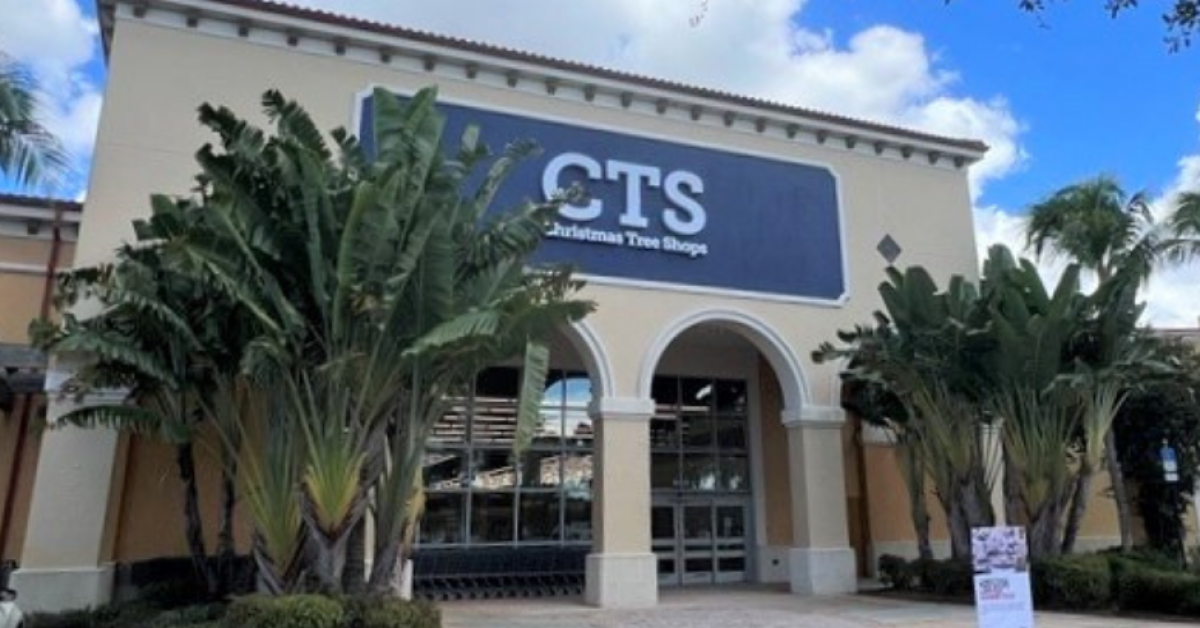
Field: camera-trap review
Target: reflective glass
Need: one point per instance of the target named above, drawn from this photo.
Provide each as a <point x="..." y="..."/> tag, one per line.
<point x="493" y="469"/>
<point x="700" y="472"/>
<point x="445" y="469"/>
<point x="731" y="521"/>
<point x="578" y="518"/>
<point x="662" y="522"/>
<point x="665" y="391"/>
<point x="698" y="430"/>
<point x="577" y="471"/>
<point x="731" y="433"/>
<point x="577" y="390"/>
<point x="664" y="432"/>
<point x="664" y="470"/>
<point x="495" y="410"/>
<point x="492" y="517"/>
<point x="442" y="522"/>
<point x="735" y="473"/>
<point x="540" y="516"/>
<point x="696" y="394"/>
<point x="541" y="469"/>
<point x="479" y="492"/>
<point x="577" y="428"/>
<point x="451" y="429"/>
<point x="731" y="397"/>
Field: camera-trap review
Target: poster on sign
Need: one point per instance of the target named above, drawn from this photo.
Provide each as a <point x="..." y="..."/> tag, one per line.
<point x="1002" y="592"/>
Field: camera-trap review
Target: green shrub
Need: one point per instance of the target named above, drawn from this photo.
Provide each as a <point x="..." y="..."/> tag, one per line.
<point x="172" y="595"/>
<point x="390" y="612"/>
<point x="1145" y="557"/>
<point x="896" y="572"/>
<point x="1072" y="582"/>
<point x="946" y="578"/>
<point x="200" y="615"/>
<point x="292" y="611"/>
<point x="122" y="615"/>
<point x="1144" y="589"/>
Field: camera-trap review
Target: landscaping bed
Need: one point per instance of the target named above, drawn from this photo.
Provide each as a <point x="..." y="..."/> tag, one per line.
<point x="253" y="611"/>
<point x="1143" y="584"/>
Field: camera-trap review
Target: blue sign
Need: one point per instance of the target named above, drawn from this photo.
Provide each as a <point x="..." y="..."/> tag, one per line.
<point x="1170" y="464"/>
<point x="661" y="212"/>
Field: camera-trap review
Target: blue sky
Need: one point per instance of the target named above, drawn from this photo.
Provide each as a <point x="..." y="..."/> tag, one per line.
<point x="1062" y="96"/>
<point x="1093" y="93"/>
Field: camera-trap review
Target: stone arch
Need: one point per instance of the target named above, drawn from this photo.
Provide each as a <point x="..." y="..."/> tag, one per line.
<point x="769" y="343"/>
<point x="592" y="351"/>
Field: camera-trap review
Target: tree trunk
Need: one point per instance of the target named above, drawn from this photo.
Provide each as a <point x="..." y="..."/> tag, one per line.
<point x="185" y="460"/>
<point x="914" y="481"/>
<point x="920" y="517"/>
<point x="226" y="548"/>
<point x="1043" y="536"/>
<point x="1120" y="491"/>
<point x="1079" y="503"/>
<point x="354" y="576"/>
<point x="960" y="531"/>
<point x="388" y="559"/>
<point x="1014" y="502"/>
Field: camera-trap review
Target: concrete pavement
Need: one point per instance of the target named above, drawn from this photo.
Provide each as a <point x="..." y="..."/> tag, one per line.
<point x="746" y="608"/>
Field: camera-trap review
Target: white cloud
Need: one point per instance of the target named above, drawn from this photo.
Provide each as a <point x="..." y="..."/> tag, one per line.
<point x="1171" y="296"/>
<point x="56" y="41"/>
<point x="756" y="47"/>
<point x="1173" y="299"/>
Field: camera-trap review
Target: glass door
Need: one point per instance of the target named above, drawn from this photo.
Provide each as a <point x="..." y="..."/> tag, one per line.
<point x="664" y="539"/>
<point x="730" y="541"/>
<point x="697" y="543"/>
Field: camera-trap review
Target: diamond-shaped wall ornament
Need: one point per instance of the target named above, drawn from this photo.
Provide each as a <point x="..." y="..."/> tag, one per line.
<point x="889" y="249"/>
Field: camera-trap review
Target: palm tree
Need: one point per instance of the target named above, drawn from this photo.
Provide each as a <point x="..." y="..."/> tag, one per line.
<point x="29" y="153"/>
<point x="160" y="337"/>
<point x="378" y="285"/>
<point x="1112" y="234"/>
<point x="1011" y="354"/>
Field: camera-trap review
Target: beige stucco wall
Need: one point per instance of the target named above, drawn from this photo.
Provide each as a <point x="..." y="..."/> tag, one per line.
<point x="23" y="489"/>
<point x="142" y="148"/>
<point x="775" y="492"/>
<point x="148" y="135"/>
<point x="21" y="291"/>
<point x="150" y="519"/>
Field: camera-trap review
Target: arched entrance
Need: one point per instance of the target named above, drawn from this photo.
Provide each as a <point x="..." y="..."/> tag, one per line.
<point x="718" y="407"/>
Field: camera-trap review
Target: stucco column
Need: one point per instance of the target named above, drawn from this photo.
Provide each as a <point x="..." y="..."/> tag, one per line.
<point x="61" y="559"/>
<point x="821" y="560"/>
<point x="622" y="571"/>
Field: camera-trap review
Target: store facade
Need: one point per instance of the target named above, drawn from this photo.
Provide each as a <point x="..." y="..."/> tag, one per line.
<point x="688" y="437"/>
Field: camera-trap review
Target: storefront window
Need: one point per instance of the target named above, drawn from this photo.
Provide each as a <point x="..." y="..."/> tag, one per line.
<point x="698" y="437"/>
<point x="444" y="519"/>
<point x="478" y="492"/>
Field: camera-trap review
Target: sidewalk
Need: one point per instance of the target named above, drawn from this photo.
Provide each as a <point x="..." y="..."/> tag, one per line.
<point x="745" y="608"/>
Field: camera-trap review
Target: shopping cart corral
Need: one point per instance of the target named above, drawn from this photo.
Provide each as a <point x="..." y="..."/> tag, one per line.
<point x="480" y="573"/>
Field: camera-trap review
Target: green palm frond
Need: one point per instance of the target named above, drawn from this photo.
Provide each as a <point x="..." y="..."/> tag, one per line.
<point x="270" y="474"/>
<point x="533" y="387"/>
<point x="29" y="153"/>
<point x="129" y="418"/>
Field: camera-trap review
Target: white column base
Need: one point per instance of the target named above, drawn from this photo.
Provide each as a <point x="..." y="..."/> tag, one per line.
<point x="822" y="571"/>
<point x="622" y="580"/>
<point x="771" y="564"/>
<point x="62" y="589"/>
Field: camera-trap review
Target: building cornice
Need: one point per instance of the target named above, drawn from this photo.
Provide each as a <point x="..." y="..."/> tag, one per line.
<point x="318" y="32"/>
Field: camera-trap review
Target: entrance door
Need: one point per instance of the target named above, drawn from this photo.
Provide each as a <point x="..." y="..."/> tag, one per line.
<point x="700" y="541"/>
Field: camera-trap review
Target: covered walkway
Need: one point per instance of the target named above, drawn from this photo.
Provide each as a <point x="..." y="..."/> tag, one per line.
<point x="744" y="608"/>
